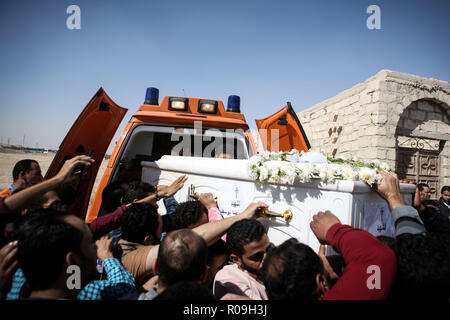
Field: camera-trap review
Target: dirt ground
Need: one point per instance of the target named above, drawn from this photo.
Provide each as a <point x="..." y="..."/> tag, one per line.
<point x="8" y="160"/>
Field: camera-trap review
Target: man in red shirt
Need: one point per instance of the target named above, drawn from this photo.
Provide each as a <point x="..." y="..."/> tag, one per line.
<point x="294" y="271"/>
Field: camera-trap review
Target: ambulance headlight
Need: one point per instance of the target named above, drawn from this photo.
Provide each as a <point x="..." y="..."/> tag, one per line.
<point x="178" y="104"/>
<point x="207" y="106"/>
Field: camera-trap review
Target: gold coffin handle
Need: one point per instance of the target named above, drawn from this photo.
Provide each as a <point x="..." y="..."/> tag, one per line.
<point x="287" y="215"/>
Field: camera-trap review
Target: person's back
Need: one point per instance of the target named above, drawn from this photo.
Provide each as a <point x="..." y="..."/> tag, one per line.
<point x="186" y="291"/>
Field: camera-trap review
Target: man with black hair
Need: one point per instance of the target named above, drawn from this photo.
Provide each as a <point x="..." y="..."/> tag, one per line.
<point x="113" y="196"/>
<point x="423" y="266"/>
<point x="141" y="228"/>
<point x="190" y="214"/>
<point x="424" y="190"/>
<point x="52" y="245"/>
<point x="24" y="172"/>
<point x="67" y="196"/>
<point x="247" y="245"/>
<point x="293" y="271"/>
<point x="138" y="190"/>
<point x="444" y="202"/>
<point x="49" y="242"/>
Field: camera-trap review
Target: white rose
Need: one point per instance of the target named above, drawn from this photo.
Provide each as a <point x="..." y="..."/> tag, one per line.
<point x="307" y="171"/>
<point x="349" y="174"/>
<point x="367" y="175"/>
<point x="333" y="171"/>
<point x="263" y="173"/>
<point x="323" y="173"/>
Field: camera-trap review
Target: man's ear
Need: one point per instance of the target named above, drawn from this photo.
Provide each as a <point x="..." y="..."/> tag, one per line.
<point x="149" y="239"/>
<point x="21" y="175"/>
<point x="71" y="259"/>
<point x="122" y="202"/>
<point x="235" y="259"/>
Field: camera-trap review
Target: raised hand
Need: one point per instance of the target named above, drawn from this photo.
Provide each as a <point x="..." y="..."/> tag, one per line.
<point x="104" y="248"/>
<point x="389" y="189"/>
<point x="8" y="265"/>
<point x="72" y="168"/>
<point x="169" y="191"/>
<point x="253" y="208"/>
<point x="207" y="200"/>
<point x="321" y="223"/>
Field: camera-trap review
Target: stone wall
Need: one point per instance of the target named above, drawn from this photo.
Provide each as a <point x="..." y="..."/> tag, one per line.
<point x="365" y="120"/>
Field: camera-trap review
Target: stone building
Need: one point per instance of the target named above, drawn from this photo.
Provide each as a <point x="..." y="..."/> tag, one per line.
<point x="397" y="118"/>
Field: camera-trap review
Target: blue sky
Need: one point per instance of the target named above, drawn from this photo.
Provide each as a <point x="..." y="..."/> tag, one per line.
<point x="267" y="52"/>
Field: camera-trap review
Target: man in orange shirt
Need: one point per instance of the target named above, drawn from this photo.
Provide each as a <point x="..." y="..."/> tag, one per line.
<point x="25" y="172"/>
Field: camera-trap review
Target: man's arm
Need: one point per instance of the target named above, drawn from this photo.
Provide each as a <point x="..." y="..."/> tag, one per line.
<point x="212" y="231"/>
<point x="67" y="173"/>
<point x="171" y="205"/>
<point x="370" y="265"/>
<point x="406" y="218"/>
<point x="104" y="224"/>
<point x="211" y="205"/>
<point x="164" y="191"/>
<point x="119" y="281"/>
<point x="8" y="266"/>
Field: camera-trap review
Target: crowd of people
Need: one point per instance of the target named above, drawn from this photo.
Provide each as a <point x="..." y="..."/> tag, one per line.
<point x="131" y="252"/>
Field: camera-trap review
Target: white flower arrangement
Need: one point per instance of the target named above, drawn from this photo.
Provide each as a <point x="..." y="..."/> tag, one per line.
<point x="287" y="167"/>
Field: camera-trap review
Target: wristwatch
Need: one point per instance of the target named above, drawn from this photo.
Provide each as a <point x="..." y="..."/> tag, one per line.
<point x="157" y="195"/>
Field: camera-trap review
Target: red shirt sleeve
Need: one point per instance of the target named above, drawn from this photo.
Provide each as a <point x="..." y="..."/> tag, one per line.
<point x="104" y="224"/>
<point x="370" y="265"/>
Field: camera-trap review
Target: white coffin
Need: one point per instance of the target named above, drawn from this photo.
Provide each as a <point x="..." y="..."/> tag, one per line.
<point x="353" y="202"/>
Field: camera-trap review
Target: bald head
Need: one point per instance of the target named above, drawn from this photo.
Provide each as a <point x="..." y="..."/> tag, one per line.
<point x="181" y="257"/>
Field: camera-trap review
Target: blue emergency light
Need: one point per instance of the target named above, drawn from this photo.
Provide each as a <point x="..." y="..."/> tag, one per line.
<point x="152" y="96"/>
<point x="234" y="104"/>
